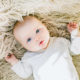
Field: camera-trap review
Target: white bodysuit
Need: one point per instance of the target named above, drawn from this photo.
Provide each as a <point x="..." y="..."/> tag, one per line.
<point x="54" y="63"/>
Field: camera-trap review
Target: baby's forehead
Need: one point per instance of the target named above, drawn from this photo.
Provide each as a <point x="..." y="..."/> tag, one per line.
<point x="29" y="24"/>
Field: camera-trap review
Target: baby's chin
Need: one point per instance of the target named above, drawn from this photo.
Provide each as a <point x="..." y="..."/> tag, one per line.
<point x="46" y="45"/>
<point x="37" y="49"/>
<point x="43" y="47"/>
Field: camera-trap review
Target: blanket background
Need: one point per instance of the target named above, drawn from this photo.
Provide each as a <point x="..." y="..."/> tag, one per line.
<point x="55" y="14"/>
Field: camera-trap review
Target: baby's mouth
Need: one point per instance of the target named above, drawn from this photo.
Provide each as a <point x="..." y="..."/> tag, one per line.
<point x="41" y="42"/>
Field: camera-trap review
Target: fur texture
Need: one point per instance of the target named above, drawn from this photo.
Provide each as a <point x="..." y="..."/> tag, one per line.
<point x="55" y="14"/>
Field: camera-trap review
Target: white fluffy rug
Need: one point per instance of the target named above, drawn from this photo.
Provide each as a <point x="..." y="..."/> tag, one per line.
<point x="54" y="13"/>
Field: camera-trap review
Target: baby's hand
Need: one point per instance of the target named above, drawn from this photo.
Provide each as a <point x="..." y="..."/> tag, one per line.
<point x="11" y="59"/>
<point x="72" y="26"/>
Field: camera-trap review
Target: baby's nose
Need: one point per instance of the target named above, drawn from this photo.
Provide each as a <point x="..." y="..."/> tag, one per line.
<point x="37" y="38"/>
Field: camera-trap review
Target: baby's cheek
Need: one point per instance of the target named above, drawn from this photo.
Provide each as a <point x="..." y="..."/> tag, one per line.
<point x="41" y="29"/>
<point x="34" y="45"/>
<point x="45" y="32"/>
<point x="31" y="45"/>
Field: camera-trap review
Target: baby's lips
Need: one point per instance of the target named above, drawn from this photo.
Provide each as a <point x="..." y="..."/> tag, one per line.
<point x="41" y="42"/>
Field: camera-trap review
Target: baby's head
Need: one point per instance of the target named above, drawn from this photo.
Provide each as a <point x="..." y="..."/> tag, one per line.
<point x="31" y="33"/>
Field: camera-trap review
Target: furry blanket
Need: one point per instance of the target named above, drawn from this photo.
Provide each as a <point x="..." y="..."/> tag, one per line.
<point x="55" y="14"/>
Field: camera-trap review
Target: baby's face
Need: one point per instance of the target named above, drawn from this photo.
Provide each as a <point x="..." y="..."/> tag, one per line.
<point x="33" y="35"/>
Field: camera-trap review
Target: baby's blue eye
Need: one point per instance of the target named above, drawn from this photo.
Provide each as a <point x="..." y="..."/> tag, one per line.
<point x="37" y="31"/>
<point x="29" y="39"/>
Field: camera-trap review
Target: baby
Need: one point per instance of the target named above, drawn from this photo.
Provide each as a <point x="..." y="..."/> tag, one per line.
<point x="47" y="58"/>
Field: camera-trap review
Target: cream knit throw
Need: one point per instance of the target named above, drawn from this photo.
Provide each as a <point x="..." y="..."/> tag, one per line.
<point x="54" y="13"/>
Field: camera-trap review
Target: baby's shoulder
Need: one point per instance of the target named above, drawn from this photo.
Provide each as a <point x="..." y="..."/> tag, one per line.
<point x="60" y="40"/>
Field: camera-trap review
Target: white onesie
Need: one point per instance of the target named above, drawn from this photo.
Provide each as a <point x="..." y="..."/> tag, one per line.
<point x="54" y="63"/>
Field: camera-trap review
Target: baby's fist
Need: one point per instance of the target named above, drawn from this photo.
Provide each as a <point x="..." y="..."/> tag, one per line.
<point x="11" y="59"/>
<point x="72" y="26"/>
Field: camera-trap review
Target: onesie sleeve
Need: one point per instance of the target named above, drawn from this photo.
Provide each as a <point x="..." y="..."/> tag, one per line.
<point x="75" y="43"/>
<point x="22" y="68"/>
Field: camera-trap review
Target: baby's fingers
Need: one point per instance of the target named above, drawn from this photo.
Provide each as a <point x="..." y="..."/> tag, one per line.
<point x="8" y="56"/>
<point x="72" y="25"/>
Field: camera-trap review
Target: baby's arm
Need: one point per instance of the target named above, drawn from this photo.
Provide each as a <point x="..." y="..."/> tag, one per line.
<point x="20" y="67"/>
<point x="73" y="28"/>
